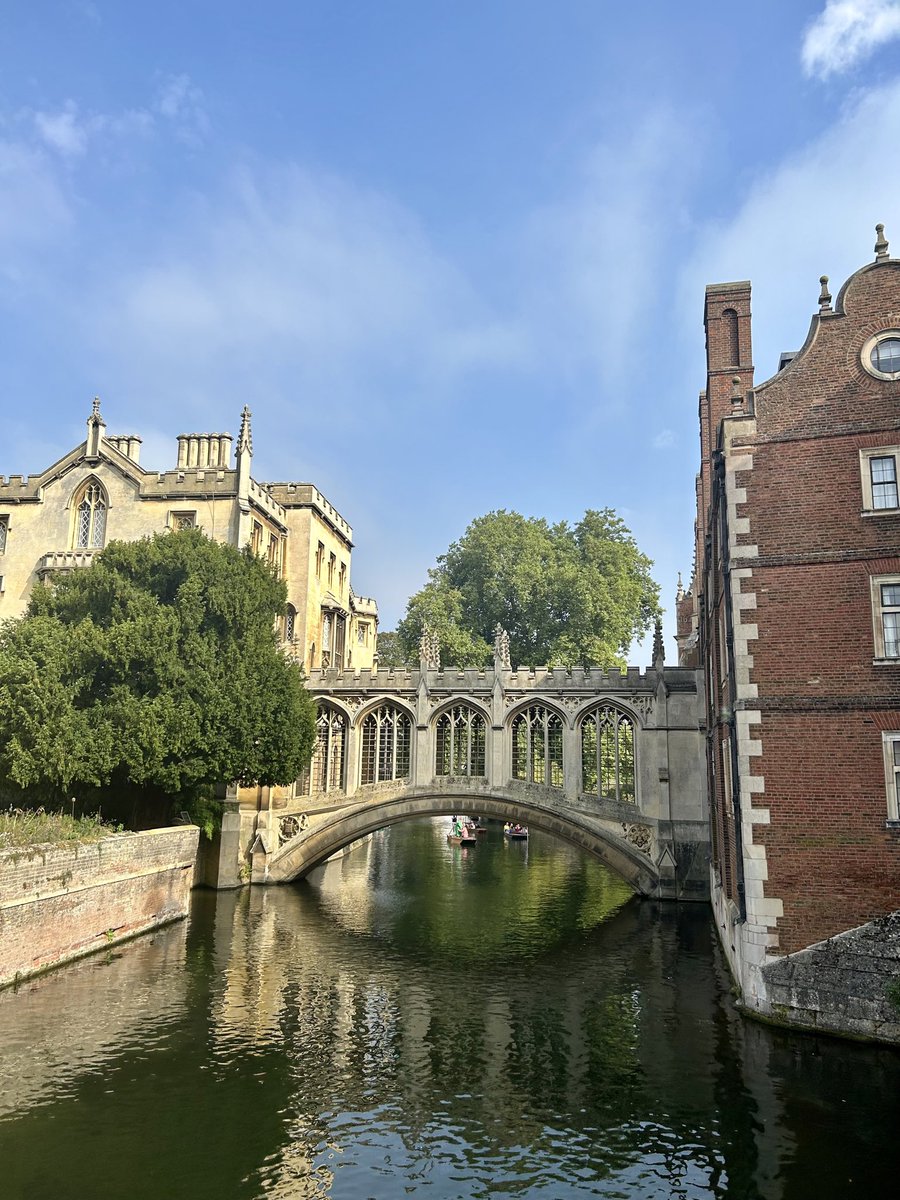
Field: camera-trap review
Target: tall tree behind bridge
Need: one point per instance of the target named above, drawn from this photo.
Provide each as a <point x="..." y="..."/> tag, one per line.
<point x="152" y="676"/>
<point x="567" y="595"/>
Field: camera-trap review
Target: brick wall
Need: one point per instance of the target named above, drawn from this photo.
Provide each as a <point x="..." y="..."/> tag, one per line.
<point x="59" y="902"/>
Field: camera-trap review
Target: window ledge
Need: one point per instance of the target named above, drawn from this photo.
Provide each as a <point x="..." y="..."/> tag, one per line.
<point x="880" y="512"/>
<point x="886" y="662"/>
<point x="891" y="824"/>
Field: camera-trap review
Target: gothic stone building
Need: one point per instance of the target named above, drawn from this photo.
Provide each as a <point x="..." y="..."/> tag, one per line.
<point x="59" y="519"/>
<point x="793" y="615"/>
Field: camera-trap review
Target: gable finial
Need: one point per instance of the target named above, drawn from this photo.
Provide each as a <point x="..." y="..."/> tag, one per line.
<point x="95" y="407"/>
<point x="659" y="651"/>
<point x="881" y="243"/>
<point x="679" y="590"/>
<point x="737" y="396"/>
<point x="245" y="437"/>
<point x="824" y="295"/>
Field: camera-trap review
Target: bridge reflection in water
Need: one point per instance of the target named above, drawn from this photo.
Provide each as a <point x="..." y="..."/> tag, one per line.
<point x="421" y="1020"/>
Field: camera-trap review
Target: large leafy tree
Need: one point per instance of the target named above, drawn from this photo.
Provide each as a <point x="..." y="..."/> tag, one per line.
<point x="154" y="675"/>
<point x="567" y="595"/>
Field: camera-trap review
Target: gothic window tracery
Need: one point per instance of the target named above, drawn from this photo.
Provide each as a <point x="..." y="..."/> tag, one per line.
<point x="460" y="735"/>
<point x="607" y="754"/>
<point x="325" y="772"/>
<point x="90" y="517"/>
<point x="537" y="746"/>
<point x="386" y="743"/>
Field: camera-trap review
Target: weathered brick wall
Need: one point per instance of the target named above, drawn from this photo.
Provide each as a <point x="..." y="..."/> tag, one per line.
<point x="58" y="902"/>
<point x="848" y="984"/>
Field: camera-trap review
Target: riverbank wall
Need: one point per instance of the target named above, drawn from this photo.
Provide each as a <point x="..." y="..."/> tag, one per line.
<point x="60" y="902"/>
<point x="848" y="985"/>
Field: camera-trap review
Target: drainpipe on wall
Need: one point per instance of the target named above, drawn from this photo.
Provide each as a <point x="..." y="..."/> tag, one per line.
<point x="721" y="501"/>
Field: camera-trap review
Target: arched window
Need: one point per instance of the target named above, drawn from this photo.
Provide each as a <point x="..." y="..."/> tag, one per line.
<point x="290" y="622"/>
<point x="607" y="754"/>
<point x="386" y="741"/>
<point x="459" y="742"/>
<point x="730" y="342"/>
<point x="325" y="772"/>
<point x="537" y="746"/>
<point x="90" y="517"/>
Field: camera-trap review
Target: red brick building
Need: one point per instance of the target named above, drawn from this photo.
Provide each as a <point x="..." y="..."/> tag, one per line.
<point x="794" y="617"/>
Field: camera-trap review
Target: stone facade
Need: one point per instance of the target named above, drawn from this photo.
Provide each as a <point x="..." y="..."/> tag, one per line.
<point x="58" y="519"/>
<point x="791" y="617"/>
<point x="60" y="902"/>
<point x="515" y="744"/>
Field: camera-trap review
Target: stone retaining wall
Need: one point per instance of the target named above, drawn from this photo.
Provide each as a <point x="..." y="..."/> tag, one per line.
<point x="59" y="902"/>
<point x="848" y="985"/>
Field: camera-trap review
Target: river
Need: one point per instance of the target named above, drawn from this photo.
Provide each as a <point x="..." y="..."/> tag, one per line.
<point x="431" y="1021"/>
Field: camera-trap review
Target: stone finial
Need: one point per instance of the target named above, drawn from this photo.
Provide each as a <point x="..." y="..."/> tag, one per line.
<point x="659" y="650"/>
<point x="429" y="649"/>
<point x="881" y="243"/>
<point x="679" y="591"/>
<point x="737" y="396"/>
<point x="95" y="407"/>
<point x="501" y="649"/>
<point x="824" y="295"/>
<point x="245" y="437"/>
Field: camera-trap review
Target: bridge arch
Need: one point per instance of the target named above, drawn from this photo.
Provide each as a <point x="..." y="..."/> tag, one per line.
<point x="340" y="828"/>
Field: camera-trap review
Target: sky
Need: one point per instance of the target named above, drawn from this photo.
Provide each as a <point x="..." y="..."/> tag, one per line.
<point x="451" y="254"/>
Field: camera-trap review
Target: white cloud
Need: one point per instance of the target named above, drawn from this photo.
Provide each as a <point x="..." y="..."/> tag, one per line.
<point x="289" y="282"/>
<point x="846" y="32"/>
<point x="664" y="439"/>
<point x="182" y="103"/>
<point x="813" y="214"/>
<point x="63" y="131"/>
<point x="33" y="205"/>
<point x="596" y="255"/>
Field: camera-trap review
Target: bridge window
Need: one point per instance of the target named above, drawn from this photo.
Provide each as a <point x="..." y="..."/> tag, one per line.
<point x="386" y="740"/>
<point x="90" y="517"/>
<point x="607" y="754"/>
<point x="459" y="742"/>
<point x="537" y="746"/>
<point x="325" y="772"/>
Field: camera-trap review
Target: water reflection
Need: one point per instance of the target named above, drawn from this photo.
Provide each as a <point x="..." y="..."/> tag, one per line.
<point x="421" y="1018"/>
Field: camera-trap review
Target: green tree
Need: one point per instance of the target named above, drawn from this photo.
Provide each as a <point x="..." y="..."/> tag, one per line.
<point x="154" y="675"/>
<point x="390" y="650"/>
<point x="567" y="595"/>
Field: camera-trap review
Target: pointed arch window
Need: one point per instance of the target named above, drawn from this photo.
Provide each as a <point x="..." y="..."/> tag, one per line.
<point x="460" y="742"/>
<point x="386" y="743"/>
<point x="90" y="517"/>
<point x="607" y="754"/>
<point x="537" y="736"/>
<point x="325" y="772"/>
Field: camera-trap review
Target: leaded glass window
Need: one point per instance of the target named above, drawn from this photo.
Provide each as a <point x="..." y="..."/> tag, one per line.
<point x="537" y="746"/>
<point x="290" y="620"/>
<point x="90" y="518"/>
<point x="4" y="529"/>
<point x="386" y="743"/>
<point x="460" y="742"/>
<point x="607" y="754"/>
<point x="325" y="772"/>
<point x="885" y="356"/>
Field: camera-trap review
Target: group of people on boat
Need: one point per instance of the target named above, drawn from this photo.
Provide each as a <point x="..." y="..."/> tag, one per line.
<point x="466" y="828"/>
<point x="513" y="829"/>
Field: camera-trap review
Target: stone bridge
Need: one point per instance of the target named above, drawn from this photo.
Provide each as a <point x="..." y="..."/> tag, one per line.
<point x="609" y="761"/>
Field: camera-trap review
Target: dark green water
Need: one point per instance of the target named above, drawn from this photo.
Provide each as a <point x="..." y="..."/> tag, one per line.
<point x="428" y="1021"/>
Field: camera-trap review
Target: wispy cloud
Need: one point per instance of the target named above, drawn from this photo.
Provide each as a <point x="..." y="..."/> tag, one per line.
<point x="846" y="32"/>
<point x="817" y="212"/>
<point x="181" y="102"/>
<point x="63" y="130"/>
<point x="664" y="439"/>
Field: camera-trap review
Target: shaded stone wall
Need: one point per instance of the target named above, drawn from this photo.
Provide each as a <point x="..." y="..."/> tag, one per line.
<point x="849" y="984"/>
<point x="59" y="902"/>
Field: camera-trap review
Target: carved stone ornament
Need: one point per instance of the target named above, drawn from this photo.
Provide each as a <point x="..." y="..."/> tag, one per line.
<point x="501" y="649"/>
<point x="290" y="826"/>
<point x="638" y="836"/>
<point x="430" y="649"/>
<point x="644" y="705"/>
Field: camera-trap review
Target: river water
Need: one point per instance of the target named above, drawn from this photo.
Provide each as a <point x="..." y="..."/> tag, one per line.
<point x="431" y="1021"/>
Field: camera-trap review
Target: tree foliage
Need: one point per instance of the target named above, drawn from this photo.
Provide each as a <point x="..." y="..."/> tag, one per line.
<point x="567" y="595"/>
<point x="157" y="673"/>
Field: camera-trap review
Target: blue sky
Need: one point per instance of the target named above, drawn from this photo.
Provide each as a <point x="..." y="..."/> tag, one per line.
<point x="451" y="254"/>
